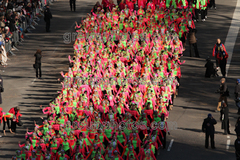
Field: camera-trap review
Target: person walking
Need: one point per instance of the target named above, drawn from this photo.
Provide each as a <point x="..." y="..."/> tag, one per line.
<point x="222" y="60"/>
<point x="237" y="147"/>
<point x="216" y="50"/>
<point x="223" y="90"/>
<point x="237" y="95"/>
<point x="208" y="128"/>
<point x="47" y="18"/>
<point x="38" y="57"/>
<point x="225" y="118"/>
<point x="72" y="5"/>
<point x="193" y="42"/>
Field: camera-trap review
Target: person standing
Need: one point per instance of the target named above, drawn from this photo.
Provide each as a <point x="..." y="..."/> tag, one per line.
<point x="223" y="90"/>
<point x="38" y="57"/>
<point x="209" y="68"/>
<point x="237" y="126"/>
<point x="212" y="4"/>
<point x="237" y="95"/>
<point x="225" y="118"/>
<point x="216" y="50"/>
<point x="208" y="128"/>
<point x="237" y="147"/>
<point x="1" y="88"/>
<point x="72" y="5"/>
<point x="193" y="42"/>
<point x="47" y="18"/>
<point x="222" y="60"/>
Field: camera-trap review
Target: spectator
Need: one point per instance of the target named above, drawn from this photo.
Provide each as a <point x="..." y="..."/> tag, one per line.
<point x="1" y="90"/>
<point x="72" y="5"/>
<point x="47" y="18"/>
<point x="216" y="50"/>
<point x="38" y="57"/>
<point x="222" y="60"/>
<point x="237" y="95"/>
<point x="210" y="71"/>
<point x="237" y="147"/>
<point x="193" y="42"/>
<point x="208" y="128"/>
<point x="224" y="118"/>
<point x="223" y="90"/>
<point x="237" y="126"/>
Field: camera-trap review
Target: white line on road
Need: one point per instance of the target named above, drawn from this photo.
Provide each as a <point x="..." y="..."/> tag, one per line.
<point x="34" y="80"/>
<point x="232" y="34"/>
<point x="170" y="145"/>
<point x="228" y="143"/>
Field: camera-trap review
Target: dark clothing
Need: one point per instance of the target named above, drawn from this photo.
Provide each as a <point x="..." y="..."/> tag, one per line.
<point x="1" y="85"/>
<point x="222" y="64"/>
<point x="237" y="96"/>
<point x="225" y="119"/>
<point x="195" y="50"/>
<point x="207" y="140"/>
<point x="193" y="42"/>
<point x="209" y="69"/>
<point x="38" y="71"/>
<point x="208" y="128"/>
<point x="237" y="128"/>
<point x="222" y="61"/>
<point x="223" y="92"/>
<point x="212" y="3"/>
<point x="223" y="89"/>
<point x="73" y="5"/>
<point x="237" y="148"/>
<point x="47" y="18"/>
<point x="237" y="91"/>
<point x="4" y="123"/>
<point x="38" y="58"/>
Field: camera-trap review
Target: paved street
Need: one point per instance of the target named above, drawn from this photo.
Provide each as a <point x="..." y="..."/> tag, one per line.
<point x="196" y="99"/>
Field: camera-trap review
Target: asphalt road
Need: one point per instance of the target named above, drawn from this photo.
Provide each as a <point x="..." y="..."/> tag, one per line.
<point x="196" y="96"/>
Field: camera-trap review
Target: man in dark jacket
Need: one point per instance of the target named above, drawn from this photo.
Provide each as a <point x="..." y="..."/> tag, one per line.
<point x="223" y="90"/>
<point x="38" y="57"/>
<point x="208" y="128"/>
<point x="237" y="147"/>
<point x="209" y="68"/>
<point x="193" y="42"/>
<point x="237" y="95"/>
<point x="47" y="18"/>
<point x="225" y="118"/>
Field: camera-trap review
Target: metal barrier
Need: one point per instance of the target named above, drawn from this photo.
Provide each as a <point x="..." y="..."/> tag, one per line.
<point x="26" y="24"/>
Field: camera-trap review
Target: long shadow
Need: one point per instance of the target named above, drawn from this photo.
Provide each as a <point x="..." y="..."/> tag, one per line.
<point x="197" y="108"/>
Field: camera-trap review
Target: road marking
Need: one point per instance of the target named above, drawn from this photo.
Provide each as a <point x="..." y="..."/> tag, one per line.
<point x="170" y="145"/>
<point x="232" y="34"/>
<point x="228" y="143"/>
<point x="34" y="80"/>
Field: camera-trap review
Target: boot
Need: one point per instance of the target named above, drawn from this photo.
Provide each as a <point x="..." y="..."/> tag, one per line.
<point x="218" y="107"/>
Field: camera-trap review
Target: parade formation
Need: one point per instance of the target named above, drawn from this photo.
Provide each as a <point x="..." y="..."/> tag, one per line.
<point x="120" y="87"/>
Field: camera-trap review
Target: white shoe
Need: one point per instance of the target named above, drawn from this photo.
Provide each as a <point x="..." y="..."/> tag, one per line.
<point x="206" y="17"/>
<point x="203" y="20"/>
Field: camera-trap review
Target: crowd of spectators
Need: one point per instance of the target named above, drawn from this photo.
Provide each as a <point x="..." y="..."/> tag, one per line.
<point x="16" y="19"/>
